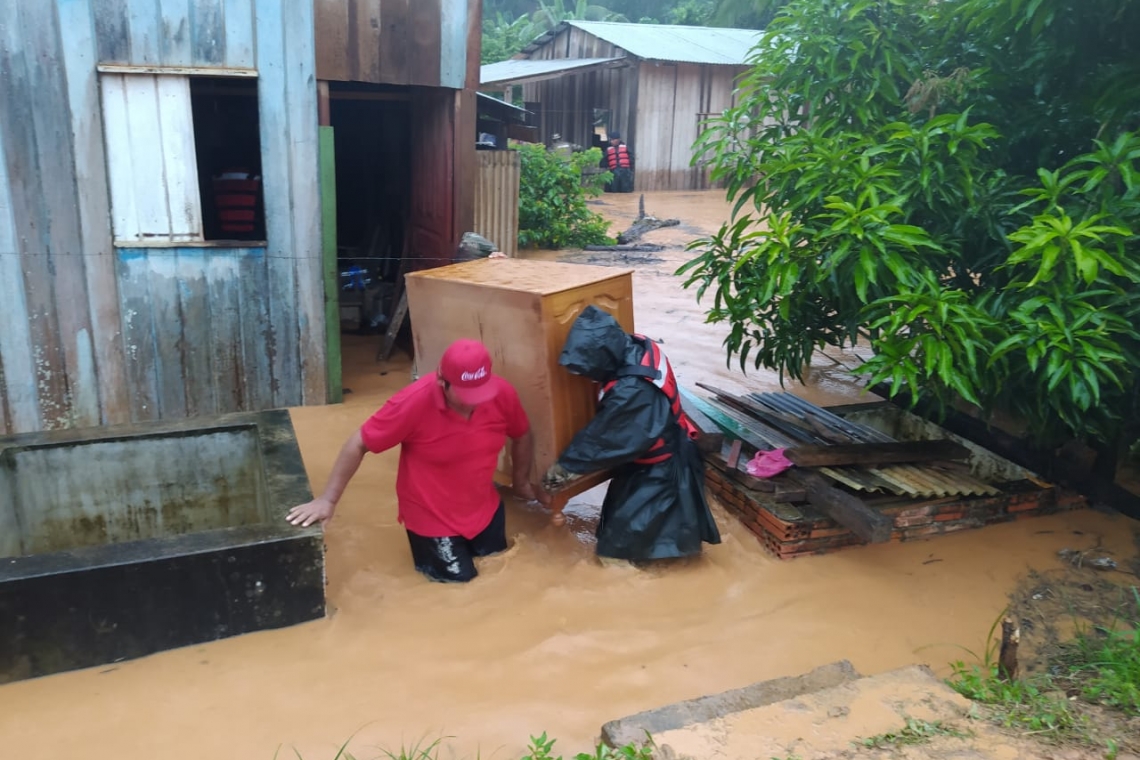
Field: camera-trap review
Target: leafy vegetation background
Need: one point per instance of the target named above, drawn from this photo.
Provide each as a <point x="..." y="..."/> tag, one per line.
<point x="955" y="184"/>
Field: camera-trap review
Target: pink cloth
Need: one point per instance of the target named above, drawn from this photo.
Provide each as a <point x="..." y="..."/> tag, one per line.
<point x="767" y="464"/>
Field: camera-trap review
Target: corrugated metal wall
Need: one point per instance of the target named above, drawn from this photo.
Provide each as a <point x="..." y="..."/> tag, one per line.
<point x="656" y="106"/>
<point x="497" y="198"/>
<point x="91" y="334"/>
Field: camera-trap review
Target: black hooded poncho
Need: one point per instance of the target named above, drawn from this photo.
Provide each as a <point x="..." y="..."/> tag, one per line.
<point x="651" y="511"/>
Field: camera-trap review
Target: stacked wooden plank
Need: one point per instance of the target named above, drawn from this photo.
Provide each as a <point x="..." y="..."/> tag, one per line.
<point x="825" y="503"/>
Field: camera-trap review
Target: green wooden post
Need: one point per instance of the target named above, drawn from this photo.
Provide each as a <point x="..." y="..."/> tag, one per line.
<point x="328" y="249"/>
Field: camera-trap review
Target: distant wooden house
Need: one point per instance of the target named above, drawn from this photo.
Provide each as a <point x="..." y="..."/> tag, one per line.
<point x="168" y="205"/>
<point x="655" y="84"/>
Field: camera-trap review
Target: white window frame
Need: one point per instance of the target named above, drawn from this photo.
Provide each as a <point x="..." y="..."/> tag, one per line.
<point x="152" y="159"/>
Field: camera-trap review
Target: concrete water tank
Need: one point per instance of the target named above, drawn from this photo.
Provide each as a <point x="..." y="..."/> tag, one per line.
<point x="119" y="542"/>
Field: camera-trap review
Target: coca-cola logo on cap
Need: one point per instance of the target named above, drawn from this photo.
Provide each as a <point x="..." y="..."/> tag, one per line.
<point x="478" y="374"/>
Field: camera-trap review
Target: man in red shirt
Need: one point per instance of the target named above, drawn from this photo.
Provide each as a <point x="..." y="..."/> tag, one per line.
<point x="450" y="426"/>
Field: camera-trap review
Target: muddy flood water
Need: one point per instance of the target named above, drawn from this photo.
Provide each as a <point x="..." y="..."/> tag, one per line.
<point x="546" y="639"/>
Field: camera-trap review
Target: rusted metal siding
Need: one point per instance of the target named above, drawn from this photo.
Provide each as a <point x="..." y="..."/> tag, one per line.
<point x="398" y="42"/>
<point x="657" y="106"/>
<point x="226" y="328"/>
<point x="497" y="198"/>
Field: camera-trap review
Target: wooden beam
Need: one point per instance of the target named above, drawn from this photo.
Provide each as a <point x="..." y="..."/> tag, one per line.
<point x="784" y="423"/>
<point x="876" y="453"/>
<point x="710" y="436"/>
<point x="324" y="112"/>
<point x="398" y="316"/>
<point x="719" y="460"/>
<point x="734" y="454"/>
<point x="846" y="509"/>
<point x="377" y="96"/>
<point x="202" y="71"/>
<point x="223" y="244"/>
<point x="859" y="406"/>
<point x="722" y="420"/>
<point x="328" y="255"/>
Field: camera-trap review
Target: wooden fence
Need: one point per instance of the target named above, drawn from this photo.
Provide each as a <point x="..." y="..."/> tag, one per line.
<point x="497" y="198"/>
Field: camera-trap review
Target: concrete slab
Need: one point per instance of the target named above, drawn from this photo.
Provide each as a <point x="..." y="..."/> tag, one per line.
<point x="904" y="714"/>
<point x="633" y="729"/>
<point x="823" y="723"/>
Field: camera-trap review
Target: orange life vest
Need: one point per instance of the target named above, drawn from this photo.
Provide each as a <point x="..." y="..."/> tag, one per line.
<point x="656" y="369"/>
<point x="618" y="158"/>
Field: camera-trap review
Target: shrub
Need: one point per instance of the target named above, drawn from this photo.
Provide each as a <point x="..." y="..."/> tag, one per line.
<point x="957" y="184"/>
<point x="552" y="199"/>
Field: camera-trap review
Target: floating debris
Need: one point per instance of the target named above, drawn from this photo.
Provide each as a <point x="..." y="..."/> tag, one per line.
<point x="1082" y="559"/>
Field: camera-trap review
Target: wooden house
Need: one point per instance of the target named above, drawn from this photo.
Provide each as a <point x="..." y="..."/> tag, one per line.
<point x="168" y="205"/>
<point x="655" y="84"/>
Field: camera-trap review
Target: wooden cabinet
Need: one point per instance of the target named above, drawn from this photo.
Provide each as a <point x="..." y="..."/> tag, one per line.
<point x="522" y="311"/>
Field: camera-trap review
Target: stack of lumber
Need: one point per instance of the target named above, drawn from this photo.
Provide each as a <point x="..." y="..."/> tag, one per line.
<point x="851" y="484"/>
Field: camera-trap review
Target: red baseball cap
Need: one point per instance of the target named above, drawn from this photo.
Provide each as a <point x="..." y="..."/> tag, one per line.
<point x="466" y="366"/>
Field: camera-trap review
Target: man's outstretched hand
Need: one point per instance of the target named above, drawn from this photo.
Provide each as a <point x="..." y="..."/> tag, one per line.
<point x="318" y="510"/>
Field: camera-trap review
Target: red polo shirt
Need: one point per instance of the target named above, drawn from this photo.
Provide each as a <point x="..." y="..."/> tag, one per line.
<point x="445" y="484"/>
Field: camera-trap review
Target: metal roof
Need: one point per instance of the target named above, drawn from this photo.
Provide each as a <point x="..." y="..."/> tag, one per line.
<point x="663" y="42"/>
<point x="503" y="107"/>
<point x="912" y="480"/>
<point x="519" y="70"/>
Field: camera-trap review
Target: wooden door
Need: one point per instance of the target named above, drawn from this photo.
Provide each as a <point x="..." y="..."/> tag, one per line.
<point x="432" y="239"/>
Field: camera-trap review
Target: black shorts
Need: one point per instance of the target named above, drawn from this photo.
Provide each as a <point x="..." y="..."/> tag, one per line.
<point x="451" y="558"/>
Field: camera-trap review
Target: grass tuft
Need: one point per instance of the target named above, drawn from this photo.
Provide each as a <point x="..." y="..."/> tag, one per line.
<point x="417" y="751"/>
<point x="1100" y="666"/>
<point x="915" y="732"/>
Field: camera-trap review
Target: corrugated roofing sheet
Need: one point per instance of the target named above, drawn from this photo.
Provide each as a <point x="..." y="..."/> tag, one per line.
<point x="518" y="69"/>
<point x="680" y="44"/>
<point x="928" y="481"/>
<point x="505" y="107"/>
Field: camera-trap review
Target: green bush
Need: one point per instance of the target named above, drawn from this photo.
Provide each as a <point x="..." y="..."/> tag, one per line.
<point x="955" y="184"/>
<point x="552" y="199"/>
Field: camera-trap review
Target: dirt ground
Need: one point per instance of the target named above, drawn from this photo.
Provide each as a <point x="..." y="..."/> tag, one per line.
<point x="667" y="311"/>
<point x="546" y="639"/>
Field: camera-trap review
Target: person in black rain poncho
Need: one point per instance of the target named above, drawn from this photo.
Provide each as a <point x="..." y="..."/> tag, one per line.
<point x="655" y="506"/>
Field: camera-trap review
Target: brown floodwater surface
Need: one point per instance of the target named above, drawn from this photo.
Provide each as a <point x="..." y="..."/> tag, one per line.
<point x="546" y="639"/>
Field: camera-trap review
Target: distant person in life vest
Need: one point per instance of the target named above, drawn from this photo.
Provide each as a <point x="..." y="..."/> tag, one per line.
<point x="619" y="160"/>
<point x="655" y="506"/>
<point x="450" y="426"/>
